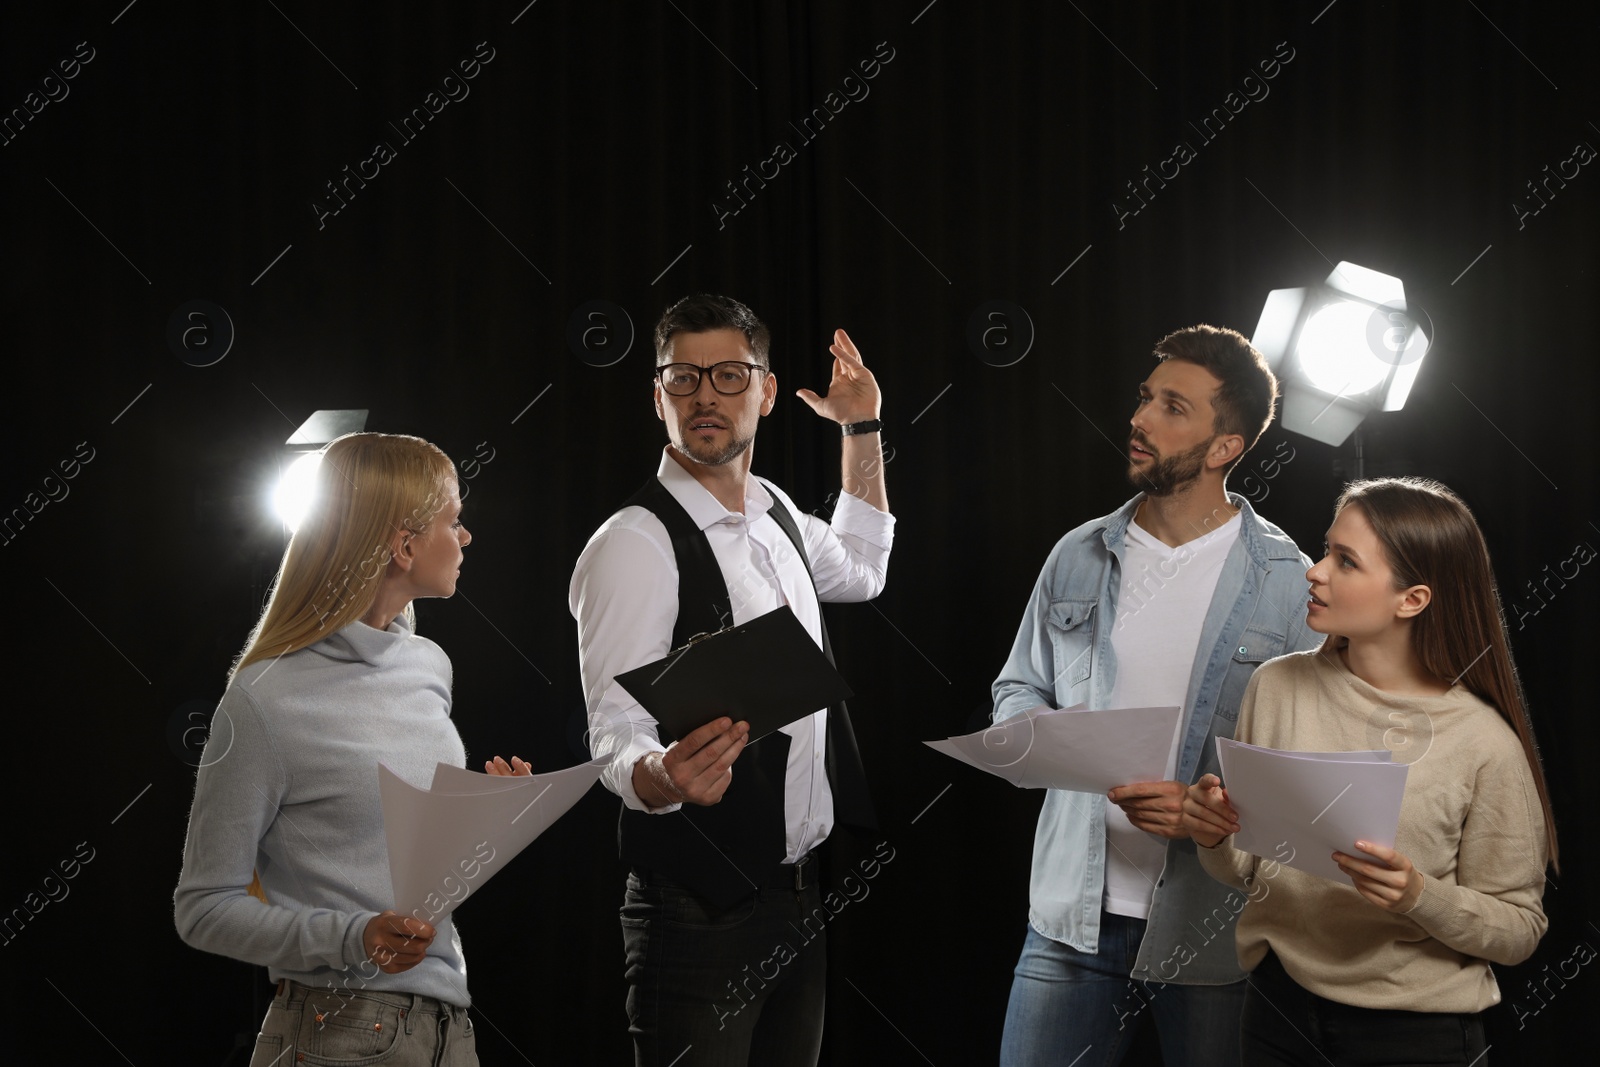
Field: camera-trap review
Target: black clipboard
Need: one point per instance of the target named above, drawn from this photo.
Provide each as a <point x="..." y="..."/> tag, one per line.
<point x="767" y="672"/>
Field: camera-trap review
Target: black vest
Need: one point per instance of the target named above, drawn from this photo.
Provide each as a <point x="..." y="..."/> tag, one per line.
<point x="725" y="851"/>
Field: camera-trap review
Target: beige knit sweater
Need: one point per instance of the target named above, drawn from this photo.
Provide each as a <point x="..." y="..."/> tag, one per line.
<point x="1470" y="822"/>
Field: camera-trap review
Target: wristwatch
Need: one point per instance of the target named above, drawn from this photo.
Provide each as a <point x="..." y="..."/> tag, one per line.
<point x="853" y="428"/>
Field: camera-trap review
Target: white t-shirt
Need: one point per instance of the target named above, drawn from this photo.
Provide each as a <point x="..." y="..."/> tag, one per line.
<point x="1161" y="610"/>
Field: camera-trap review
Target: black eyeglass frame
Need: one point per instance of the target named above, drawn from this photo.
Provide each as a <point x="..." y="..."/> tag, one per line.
<point x="700" y="373"/>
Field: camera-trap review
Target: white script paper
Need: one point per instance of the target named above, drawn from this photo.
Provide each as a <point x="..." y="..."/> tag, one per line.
<point x="447" y="841"/>
<point x="1071" y="748"/>
<point x="1317" y="802"/>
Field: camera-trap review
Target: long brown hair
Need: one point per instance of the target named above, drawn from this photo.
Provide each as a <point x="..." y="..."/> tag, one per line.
<point x="368" y="487"/>
<point x="1430" y="538"/>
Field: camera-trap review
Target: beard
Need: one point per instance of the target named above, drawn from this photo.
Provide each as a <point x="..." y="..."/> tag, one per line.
<point x="1170" y="474"/>
<point x="703" y="452"/>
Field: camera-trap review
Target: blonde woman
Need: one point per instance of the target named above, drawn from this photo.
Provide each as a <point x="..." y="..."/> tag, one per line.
<point x="333" y="680"/>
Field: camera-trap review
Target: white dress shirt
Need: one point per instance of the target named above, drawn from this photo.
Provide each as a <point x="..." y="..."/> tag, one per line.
<point x="624" y="595"/>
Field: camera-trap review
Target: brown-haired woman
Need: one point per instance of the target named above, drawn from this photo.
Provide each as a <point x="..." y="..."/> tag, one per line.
<point x="1393" y="967"/>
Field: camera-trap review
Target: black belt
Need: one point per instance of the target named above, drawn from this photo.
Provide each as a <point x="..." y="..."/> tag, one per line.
<point x="801" y="874"/>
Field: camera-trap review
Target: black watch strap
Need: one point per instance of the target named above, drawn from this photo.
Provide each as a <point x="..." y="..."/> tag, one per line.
<point x="870" y="426"/>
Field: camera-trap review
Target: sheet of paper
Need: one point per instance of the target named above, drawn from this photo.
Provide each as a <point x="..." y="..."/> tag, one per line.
<point x="447" y="841"/>
<point x="1368" y="755"/>
<point x="1298" y="807"/>
<point x="1071" y="748"/>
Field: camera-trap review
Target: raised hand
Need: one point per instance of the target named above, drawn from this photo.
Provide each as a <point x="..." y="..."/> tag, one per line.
<point x="852" y="392"/>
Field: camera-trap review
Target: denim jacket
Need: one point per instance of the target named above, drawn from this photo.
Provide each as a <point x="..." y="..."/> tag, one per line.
<point x="1062" y="657"/>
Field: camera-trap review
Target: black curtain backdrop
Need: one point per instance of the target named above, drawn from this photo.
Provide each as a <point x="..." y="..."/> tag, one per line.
<point x="987" y="157"/>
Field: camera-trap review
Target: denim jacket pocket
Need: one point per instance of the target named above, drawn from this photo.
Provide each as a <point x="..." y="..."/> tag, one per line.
<point x="1072" y="642"/>
<point x="1255" y="647"/>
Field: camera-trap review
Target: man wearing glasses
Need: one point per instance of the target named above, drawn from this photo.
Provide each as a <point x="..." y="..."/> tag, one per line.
<point x="722" y="920"/>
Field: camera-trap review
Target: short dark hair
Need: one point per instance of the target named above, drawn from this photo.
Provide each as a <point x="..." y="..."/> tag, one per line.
<point x="704" y="312"/>
<point x="1248" y="391"/>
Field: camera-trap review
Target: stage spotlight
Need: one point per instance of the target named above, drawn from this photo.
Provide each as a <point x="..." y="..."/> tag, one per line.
<point x="303" y="454"/>
<point x="1341" y="350"/>
<point x="293" y="493"/>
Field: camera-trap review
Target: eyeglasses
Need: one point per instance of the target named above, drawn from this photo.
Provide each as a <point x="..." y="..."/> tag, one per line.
<point x="730" y="378"/>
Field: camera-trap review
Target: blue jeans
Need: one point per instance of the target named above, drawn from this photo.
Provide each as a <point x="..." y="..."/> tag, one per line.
<point x="1070" y="1007"/>
<point x="351" y="1026"/>
<point x="724" y="988"/>
<point x="1284" y="1024"/>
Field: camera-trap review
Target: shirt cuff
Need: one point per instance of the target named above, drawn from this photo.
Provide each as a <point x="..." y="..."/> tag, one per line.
<point x="855" y="516"/>
<point x="624" y="762"/>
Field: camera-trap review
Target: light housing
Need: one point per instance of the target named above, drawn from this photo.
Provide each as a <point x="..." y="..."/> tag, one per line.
<point x="302" y="453"/>
<point x="1341" y="350"/>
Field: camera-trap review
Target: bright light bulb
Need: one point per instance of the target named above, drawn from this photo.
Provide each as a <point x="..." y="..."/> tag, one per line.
<point x="295" y="489"/>
<point x="1335" y="351"/>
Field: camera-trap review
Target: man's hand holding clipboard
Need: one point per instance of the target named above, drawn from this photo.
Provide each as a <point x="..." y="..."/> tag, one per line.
<point x="721" y="692"/>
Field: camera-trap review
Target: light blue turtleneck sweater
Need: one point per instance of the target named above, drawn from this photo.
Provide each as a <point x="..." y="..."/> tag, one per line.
<point x="289" y="787"/>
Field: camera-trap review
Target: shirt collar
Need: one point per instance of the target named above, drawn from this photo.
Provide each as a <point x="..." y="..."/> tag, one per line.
<point x="704" y="509"/>
<point x="1114" y="529"/>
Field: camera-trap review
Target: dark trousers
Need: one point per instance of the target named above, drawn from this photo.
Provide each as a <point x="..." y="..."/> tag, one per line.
<point x="724" y="988"/>
<point x="1285" y="1024"/>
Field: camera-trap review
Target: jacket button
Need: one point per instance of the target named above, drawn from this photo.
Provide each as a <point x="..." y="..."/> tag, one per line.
<point x="1243" y="651"/>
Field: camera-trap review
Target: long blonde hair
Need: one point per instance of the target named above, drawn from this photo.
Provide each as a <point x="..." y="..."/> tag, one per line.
<point x="368" y="486"/>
